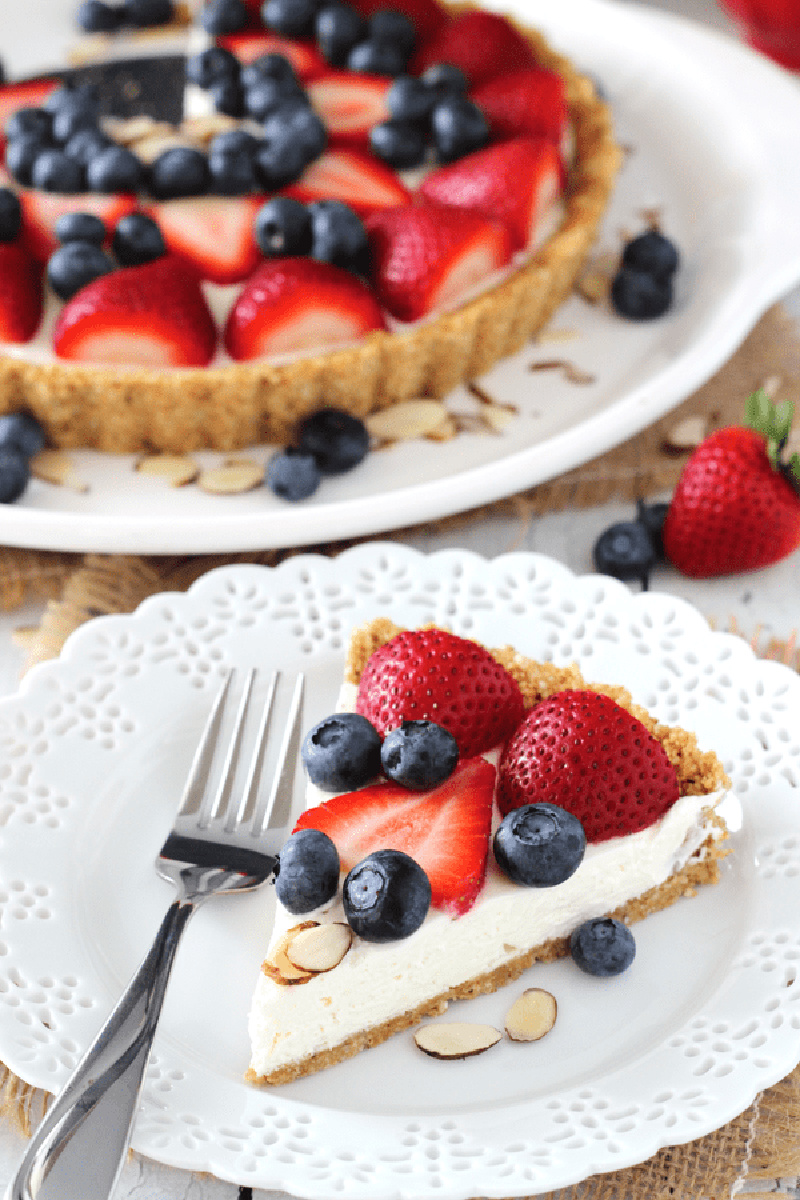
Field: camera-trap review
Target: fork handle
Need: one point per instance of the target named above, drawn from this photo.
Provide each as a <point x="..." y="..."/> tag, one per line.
<point x="79" y="1147"/>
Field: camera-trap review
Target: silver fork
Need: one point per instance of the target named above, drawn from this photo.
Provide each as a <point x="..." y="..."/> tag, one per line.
<point x="219" y="842"/>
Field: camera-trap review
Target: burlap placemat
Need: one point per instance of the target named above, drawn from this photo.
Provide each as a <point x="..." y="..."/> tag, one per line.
<point x="762" y="1143"/>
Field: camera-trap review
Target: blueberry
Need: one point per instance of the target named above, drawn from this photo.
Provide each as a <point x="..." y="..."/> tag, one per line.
<point x="400" y="144"/>
<point x="137" y="239"/>
<point x="293" y="137"/>
<point x="233" y="141"/>
<point x="337" y="440"/>
<point x="266" y="95"/>
<point x="342" y="752"/>
<point x="21" y="155"/>
<point x="652" y="253"/>
<point x="292" y="474"/>
<point x="386" y="896"/>
<point x="10" y="215"/>
<point x="74" y="265"/>
<point x="94" y="16"/>
<point x="338" y="28"/>
<point x="55" y="171"/>
<point x="458" y="127"/>
<point x="72" y="117"/>
<point x="419" y="754"/>
<point x="227" y="97"/>
<point x="269" y="66"/>
<point x="377" y="58"/>
<point x="640" y="296"/>
<point x="116" y="169"/>
<point x="210" y="66"/>
<point x="603" y="946"/>
<point x="86" y="145"/>
<point x="293" y="18"/>
<point x="539" y="845"/>
<point x="652" y="516"/>
<point x="35" y="121"/>
<point x="181" y="171"/>
<point x="22" y="432"/>
<point x="14" y="474"/>
<point x="625" y="551"/>
<point x="143" y="14"/>
<point x="283" y="228"/>
<point x="80" y="227"/>
<point x="410" y="99"/>
<point x="339" y="236"/>
<point x="224" y="16"/>
<point x="390" y="26"/>
<point x="307" y="871"/>
<point x="444" y="79"/>
<point x="233" y="172"/>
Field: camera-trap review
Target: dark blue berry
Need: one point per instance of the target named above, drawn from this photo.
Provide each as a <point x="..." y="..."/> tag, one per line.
<point x="211" y="66"/>
<point x="640" y="296"/>
<point x="625" y="551"/>
<point x="74" y="265"/>
<point x="293" y="475"/>
<point x="400" y="144"/>
<point x="267" y="94"/>
<point x="233" y="172"/>
<point x="390" y="26"/>
<point x="137" y="239"/>
<point x="10" y="215"/>
<point x="35" y="121"/>
<point x="292" y="18"/>
<point x="386" y="896"/>
<point x="87" y="144"/>
<point x="227" y="96"/>
<point x="443" y="79"/>
<point x="224" y="16"/>
<point x="181" y="171"/>
<point x="269" y="66"/>
<point x="419" y="754"/>
<point x="21" y="154"/>
<point x="283" y="228"/>
<point x="233" y="141"/>
<point x="539" y="845"/>
<point x="653" y="516"/>
<point x="72" y="117"/>
<point x="338" y="440"/>
<point x="22" y="432"/>
<point x="603" y="946"/>
<point x="55" y="171"/>
<point x="410" y="99"/>
<point x="338" y="28"/>
<point x="377" y="58"/>
<point x="342" y="752"/>
<point x="144" y="14"/>
<point x="652" y="253"/>
<point x="80" y="227"/>
<point x="338" y="236"/>
<point x="116" y="169"/>
<point x="458" y="127"/>
<point x="307" y="871"/>
<point x="293" y="137"/>
<point x="14" y="474"/>
<point x="95" y="16"/>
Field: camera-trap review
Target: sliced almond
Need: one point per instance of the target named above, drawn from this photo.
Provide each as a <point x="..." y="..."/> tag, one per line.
<point x="320" y="948"/>
<point x="456" y="1039"/>
<point x="279" y="966"/>
<point x="531" y="1016"/>
<point x="127" y="130"/>
<point x="204" y="128"/>
<point x="233" y="477"/>
<point x="687" y="434"/>
<point x="411" y="419"/>
<point x="175" y="469"/>
<point x="594" y="283"/>
<point x="497" y="417"/>
<point x="56" y="466"/>
<point x="444" y="432"/>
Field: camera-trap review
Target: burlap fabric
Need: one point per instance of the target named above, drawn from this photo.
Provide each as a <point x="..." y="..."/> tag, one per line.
<point x="763" y="1143"/>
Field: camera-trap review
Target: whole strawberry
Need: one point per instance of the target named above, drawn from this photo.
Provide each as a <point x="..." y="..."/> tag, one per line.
<point x="430" y="674"/>
<point x="737" y="504"/>
<point x="582" y="751"/>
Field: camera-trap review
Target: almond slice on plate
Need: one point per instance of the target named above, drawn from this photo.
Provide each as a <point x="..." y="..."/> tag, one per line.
<point x="175" y="469"/>
<point x="456" y="1039"/>
<point x="233" y="477"/>
<point x="531" y="1016"/>
<point x="410" y="419"/>
<point x="320" y="948"/>
<point x="55" y="466"/>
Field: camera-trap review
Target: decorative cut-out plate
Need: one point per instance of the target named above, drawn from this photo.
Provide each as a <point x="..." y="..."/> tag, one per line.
<point x="92" y="754"/>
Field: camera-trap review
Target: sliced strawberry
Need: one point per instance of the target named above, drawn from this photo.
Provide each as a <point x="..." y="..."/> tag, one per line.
<point x="446" y="830"/>
<point x="350" y="104"/>
<point x="482" y="44"/>
<point x="297" y="303"/>
<point x="151" y="316"/>
<point x="213" y="233"/>
<point x="304" y="56"/>
<point x="30" y="94"/>
<point x="427" y="256"/>
<point x="428" y="16"/>
<point x="21" y="293"/>
<point x="532" y="102"/>
<point x="41" y="210"/>
<point x="357" y="178"/>
<point x="515" y="181"/>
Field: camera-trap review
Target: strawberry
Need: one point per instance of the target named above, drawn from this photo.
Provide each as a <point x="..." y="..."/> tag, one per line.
<point x="349" y="104"/>
<point x="737" y="505"/>
<point x="353" y="176"/>
<point x="292" y="303"/>
<point x="585" y="753"/>
<point x="213" y="233"/>
<point x="531" y="101"/>
<point x="304" y="56"/>
<point x="41" y="210"/>
<point x="482" y="44"/>
<point x="426" y="256"/>
<point x="431" y="674"/>
<point x="428" y="16"/>
<point x="153" y="316"/>
<point x="21" y="293"/>
<point x="515" y="181"/>
<point x="446" y="830"/>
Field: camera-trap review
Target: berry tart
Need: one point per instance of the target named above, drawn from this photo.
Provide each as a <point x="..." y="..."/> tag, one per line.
<point x="373" y="205"/>
<point x="470" y="813"/>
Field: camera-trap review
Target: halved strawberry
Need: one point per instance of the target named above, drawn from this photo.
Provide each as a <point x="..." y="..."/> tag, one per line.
<point x="483" y="44"/>
<point x="30" y="94"/>
<point x="295" y="303"/>
<point x="41" y="210"/>
<point x="304" y="56"/>
<point x="350" y="104"/>
<point x="446" y="830"/>
<point x="428" y="16"/>
<point x="152" y="316"/>
<point x="353" y="176"/>
<point x="532" y="102"/>
<point x="515" y="181"/>
<point x="21" y="293"/>
<point x="213" y="233"/>
<point x="427" y="256"/>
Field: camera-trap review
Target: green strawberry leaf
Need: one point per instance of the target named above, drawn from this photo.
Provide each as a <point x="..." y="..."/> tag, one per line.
<point x="772" y="421"/>
<point x="793" y="470"/>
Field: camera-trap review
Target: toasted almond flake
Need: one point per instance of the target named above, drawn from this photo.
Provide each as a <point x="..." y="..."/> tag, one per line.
<point x="687" y="434"/>
<point x="531" y="1016"/>
<point x="175" y="469"/>
<point x="278" y="965"/>
<point x="320" y="948"/>
<point x="556" y="335"/>
<point x="444" y="432"/>
<point x="410" y="419"/>
<point x="206" y="127"/>
<point x="572" y="373"/>
<point x="56" y="466"/>
<point x="233" y="477"/>
<point x="496" y="417"/>
<point x="126" y="130"/>
<point x="456" y="1039"/>
<point x="594" y="282"/>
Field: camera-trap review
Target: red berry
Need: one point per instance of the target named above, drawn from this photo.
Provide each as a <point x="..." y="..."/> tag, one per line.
<point x="481" y="44"/>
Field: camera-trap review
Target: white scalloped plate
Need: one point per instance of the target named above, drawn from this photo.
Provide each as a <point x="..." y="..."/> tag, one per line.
<point x="93" y="752"/>
<point x="714" y="131"/>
